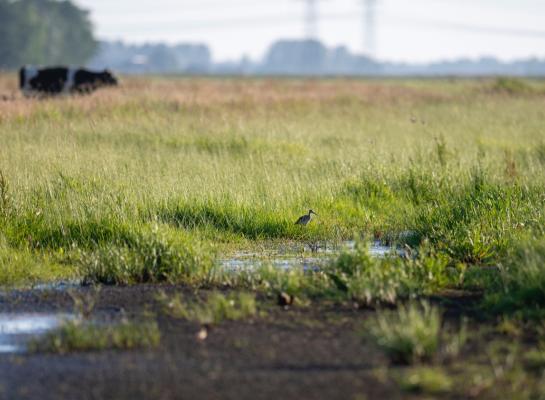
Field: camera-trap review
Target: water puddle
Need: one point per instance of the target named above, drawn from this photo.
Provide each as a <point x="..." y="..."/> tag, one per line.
<point x="313" y="257"/>
<point x="17" y="329"/>
<point x="57" y="285"/>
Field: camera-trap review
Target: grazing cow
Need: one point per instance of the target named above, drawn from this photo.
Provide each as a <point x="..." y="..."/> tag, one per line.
<point x="57" y="80"/>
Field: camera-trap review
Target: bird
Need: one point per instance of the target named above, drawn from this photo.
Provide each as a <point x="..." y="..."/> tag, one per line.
<point x="305" y="219"/>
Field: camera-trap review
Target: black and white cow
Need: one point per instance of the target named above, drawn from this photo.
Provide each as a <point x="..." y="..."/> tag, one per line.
<point x="57" y="80"/>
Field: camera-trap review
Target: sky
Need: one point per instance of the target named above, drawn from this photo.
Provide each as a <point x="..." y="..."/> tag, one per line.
<point x="415" y="31"/>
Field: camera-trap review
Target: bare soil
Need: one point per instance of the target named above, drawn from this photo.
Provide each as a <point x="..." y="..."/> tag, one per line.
<point x="295" y="353"/>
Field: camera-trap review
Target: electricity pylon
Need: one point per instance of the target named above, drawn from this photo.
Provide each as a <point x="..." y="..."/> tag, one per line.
<point x="369" y="27"/>
<point x="311" y="19"/>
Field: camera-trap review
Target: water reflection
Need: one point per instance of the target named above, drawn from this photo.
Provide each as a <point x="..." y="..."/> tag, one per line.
<point x="17" y="329"/>
<point x="314" y="256"/>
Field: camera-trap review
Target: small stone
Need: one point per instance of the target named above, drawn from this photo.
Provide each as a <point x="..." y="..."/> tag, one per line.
<point x="202" y="334"/>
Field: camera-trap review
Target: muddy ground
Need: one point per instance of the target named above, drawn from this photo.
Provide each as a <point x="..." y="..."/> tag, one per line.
<point x="313" y="352"/>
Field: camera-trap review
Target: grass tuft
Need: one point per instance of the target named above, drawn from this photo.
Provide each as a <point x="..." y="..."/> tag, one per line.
<point x="521" y="284"/>
<point x="409" y="335"/>
<point x="412" y="334"/>
<point x="370" y="280"/>
<point x="535" y="359"/>
<point x="511" y="86"/>
<point x="425" y="380"/>
<point x="150" y="258"/>
<point x="215" y="309"/>
<point x="82" y="335"/>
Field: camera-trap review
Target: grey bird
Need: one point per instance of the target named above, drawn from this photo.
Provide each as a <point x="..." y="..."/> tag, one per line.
<point x="305" y="219"/>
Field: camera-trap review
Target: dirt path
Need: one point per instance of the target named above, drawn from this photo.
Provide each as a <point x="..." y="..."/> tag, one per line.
<point x="286" y="354"/>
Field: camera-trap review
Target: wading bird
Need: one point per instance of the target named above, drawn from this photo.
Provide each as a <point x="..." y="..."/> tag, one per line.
<point x="305" y="219"/>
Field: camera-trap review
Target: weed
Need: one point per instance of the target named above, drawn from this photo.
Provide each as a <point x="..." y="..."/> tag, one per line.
<point x="409" y="335"/>
<point x="150" y="258"/>
<point x="540" y="153"/>
<point x="22" y="266"/>
<point x="369" y="280"/>
<point x="84" y="302"/>
<point x="511" y="86"/>
<point x="521" y="287"/>
<point x="78" y="335"/>
<point x="366" y="280"/>
<point x="511" y="170"/>
<point x="215" y="309"/>
<point x="145" y="194"/>
<point x="426" y="380"/>
<point x="4" y="195"/>
<point x="510" y="327"/>
<point x="413" y="333"/>
<point x="441" y="150"/>
<point x="535" y="359"/>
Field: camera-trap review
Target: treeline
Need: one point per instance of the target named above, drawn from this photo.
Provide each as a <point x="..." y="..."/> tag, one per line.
<point x="44" y="32"/>
<point x="293" y="57"/>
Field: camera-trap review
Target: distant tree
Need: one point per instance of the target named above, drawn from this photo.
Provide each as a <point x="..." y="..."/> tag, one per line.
<point x="296" y="57"/>
<point x="44" y="32"/>
<point x="162" y="59"/>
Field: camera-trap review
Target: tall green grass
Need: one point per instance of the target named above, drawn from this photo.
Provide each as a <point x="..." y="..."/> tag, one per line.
<point x="520" y="287"/>
<point x="458" y="165"/>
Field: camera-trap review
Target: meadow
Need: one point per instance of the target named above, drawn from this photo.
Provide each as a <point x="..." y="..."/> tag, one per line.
<point x="155" y="180"/>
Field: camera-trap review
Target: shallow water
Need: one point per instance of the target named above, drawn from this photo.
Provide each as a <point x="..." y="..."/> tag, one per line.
<point x="312" y="257"/>
<point x="58" y="285"/>
<point x="17" y="329"/>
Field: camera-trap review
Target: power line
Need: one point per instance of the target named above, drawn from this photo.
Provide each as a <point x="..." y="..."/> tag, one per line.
<point x="479" y="29"/>
<point x="260" y="20"/>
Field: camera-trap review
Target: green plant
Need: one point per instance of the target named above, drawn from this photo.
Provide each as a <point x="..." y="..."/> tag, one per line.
<point x="141" y="196"/>
<point x="4" y="195"/>
<point x="427" y="380"/>
<point x="370" y="280"/>
<point x="410" y="334"/>
<point x="85" y="302"/>
<point x="216" y="308"/>
<point x="150" y="258"/>
<point x="511" y="86"/>
<point x="521" y="284"/>
<point x="441" y="150"/>
<point x="535" y="359"/>
<point x="21" y="266"/>
<point x="81" y="335"/>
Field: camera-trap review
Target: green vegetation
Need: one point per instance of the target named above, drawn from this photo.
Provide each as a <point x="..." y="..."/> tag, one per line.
<point x="512" y="86"/>
<point x="413" y="333"/>
<point x="148" y="258"/>
<point x="19" y="266"/>
<point x="425" y="380"/>
<point x="153" y="181"/>
<point x="520" y="287"/>
<point x="369" y="281"/>
<point x="535" y="359"/>
<point x="215" y="309"/>
<point x="44" y="32"/>
<point x="83" y="335"/>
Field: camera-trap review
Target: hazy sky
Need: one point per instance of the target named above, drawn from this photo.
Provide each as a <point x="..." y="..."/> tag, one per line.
<point x="406" y="30"/>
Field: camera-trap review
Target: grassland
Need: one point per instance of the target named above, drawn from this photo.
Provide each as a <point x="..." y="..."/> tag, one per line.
<point x="152" y="181"/>
<point x="203" y="166"/>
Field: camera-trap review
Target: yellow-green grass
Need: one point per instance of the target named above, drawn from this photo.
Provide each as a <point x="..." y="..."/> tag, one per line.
<point x="413" y="334"/>
<point x="82" y="335"/>
<point x="215" y="309"/>
<point x="218" y="163"/>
